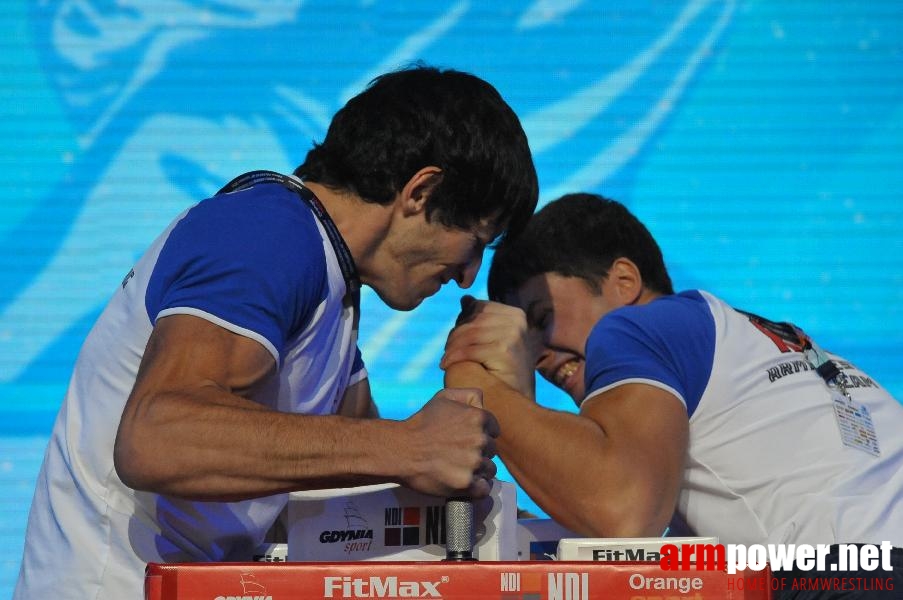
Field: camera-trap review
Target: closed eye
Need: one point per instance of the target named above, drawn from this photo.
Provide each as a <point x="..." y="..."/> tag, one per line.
<point x="539" y="319"/>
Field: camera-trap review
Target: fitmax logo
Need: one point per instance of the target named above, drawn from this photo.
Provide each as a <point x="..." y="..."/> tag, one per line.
<point x="380" y="587"/>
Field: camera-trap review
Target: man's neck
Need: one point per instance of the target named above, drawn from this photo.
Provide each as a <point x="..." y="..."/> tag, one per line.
<point x="363" y="225"/>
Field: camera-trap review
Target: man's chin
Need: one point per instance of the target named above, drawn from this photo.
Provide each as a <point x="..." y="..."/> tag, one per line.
<point x="402" y="304"/>
<point x="408" y="306"/>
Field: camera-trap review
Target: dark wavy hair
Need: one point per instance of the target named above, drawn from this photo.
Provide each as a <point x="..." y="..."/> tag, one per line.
<point x="578" y="235"/>
<point x="421" y="116"/>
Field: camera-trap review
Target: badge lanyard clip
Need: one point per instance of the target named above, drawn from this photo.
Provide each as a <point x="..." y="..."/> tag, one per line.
<point x="826" y="368"/>
<point x="853" y="418"/>
<point x="857" y="429"/>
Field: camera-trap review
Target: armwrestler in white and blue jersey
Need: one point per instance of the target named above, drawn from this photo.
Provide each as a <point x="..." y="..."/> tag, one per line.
<point x="686" y="404"/>
<point x="762" y="425"/>
<point x="224" y="372"/>
<point x="228" y="260"/>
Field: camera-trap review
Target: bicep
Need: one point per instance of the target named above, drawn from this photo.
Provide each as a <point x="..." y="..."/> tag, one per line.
<point x="649" y="429"/>
<point x="192" y="378"/>
<point x="186" y="352"/>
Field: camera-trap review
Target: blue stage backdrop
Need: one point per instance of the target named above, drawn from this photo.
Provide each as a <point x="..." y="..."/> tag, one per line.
<point x="761" y="141"/>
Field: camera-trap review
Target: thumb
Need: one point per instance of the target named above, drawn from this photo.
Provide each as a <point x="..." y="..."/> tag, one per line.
<point x="468" y="396"/>
<point x="468" y="303"/>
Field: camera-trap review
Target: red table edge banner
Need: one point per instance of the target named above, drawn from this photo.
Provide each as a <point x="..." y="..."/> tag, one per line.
<point x="567" y="580"/>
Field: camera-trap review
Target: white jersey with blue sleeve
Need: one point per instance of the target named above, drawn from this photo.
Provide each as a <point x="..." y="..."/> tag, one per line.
<point x="256" y="262"/>
<point x="766" y="461"/>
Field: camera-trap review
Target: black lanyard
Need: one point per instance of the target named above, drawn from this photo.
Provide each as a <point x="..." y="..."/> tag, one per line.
<point x="797" y="339"/>
<point x="346" y="261"/>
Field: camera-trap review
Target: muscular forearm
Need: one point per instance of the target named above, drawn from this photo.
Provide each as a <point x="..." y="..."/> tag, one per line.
<point x="191" y="428"/>
<point x="208" y="444"/>
<point x="576" y="472"/>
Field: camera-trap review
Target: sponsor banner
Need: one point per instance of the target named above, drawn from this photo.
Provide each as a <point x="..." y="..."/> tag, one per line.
<point x="540" y="580"/>
<point x="629" y="549"/>
<point x="390" y="522"/>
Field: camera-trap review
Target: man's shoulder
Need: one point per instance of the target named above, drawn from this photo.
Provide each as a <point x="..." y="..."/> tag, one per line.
<point x="267" y="222"/>
<point x="267" y="206"/>
<point x="677" y="312"/>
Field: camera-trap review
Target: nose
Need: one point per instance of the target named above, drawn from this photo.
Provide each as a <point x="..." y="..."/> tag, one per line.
<point x="468" y="273"/>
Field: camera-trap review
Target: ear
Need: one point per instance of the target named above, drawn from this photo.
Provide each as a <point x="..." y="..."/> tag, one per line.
<point x="625" y="281"/>
<point x="417" y="190"/>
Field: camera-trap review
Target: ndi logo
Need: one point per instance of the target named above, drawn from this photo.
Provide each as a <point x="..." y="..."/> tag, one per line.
<point x="560" y="586"/>
<point x="521" y="586"/>
<point x="403" y="525"/>
<point x="568" y="586"/>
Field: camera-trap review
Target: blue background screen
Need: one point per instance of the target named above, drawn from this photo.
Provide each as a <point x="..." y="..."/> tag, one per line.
<point x="760" y="141"/>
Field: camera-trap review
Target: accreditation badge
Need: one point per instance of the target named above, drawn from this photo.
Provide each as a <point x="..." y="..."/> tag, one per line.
<point x="855" y="422"/>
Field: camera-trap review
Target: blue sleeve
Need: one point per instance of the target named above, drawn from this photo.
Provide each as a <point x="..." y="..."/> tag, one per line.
<point x="253" y="260"/>
<point x="669" y="342"/>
